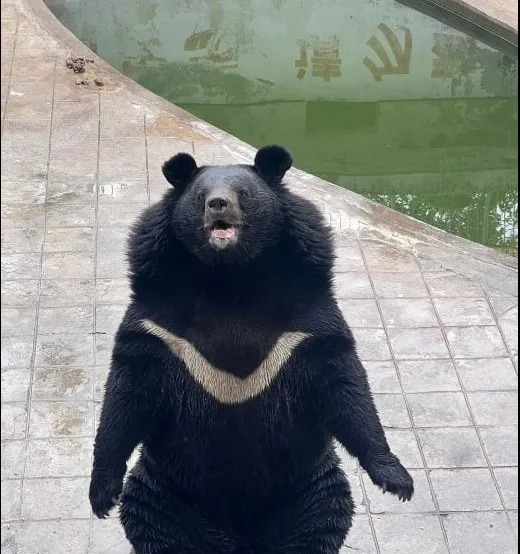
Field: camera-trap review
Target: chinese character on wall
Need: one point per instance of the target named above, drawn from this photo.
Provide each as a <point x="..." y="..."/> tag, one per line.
<point x="208" y="46"/>
<point x="454" y="55"/>
<point x="402" y="57"/>
<point x="325" y="59"/>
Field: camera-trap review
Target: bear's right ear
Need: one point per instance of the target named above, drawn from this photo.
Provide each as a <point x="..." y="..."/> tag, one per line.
<point x="179" y="170"/>
<point x="272" y="163"/>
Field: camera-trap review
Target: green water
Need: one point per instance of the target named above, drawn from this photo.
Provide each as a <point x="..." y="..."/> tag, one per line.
<point x="372" y="95"/>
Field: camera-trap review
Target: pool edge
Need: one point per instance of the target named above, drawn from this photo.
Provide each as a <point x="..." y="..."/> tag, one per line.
<point x="467" y="13"/>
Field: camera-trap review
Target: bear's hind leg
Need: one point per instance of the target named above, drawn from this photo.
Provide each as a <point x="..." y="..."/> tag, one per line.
<point x="156" y="522"/>
<point x="316" y="521"/>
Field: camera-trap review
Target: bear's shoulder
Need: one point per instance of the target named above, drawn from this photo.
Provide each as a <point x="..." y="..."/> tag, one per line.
<point x="311" y="238"/>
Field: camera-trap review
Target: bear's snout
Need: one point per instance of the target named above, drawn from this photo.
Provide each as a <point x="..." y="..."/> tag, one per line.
<point x="222" y="203"/>
<point x="217" y="204"/>
<point x="222" y="217"/>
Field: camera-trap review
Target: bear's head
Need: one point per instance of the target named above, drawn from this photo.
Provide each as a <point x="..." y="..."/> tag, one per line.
<point x="228" y="213"/>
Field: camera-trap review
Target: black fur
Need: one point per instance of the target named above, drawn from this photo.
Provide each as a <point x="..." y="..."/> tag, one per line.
<point x="179" y="170"/>
<point x="272" y="162"/>
<point x="258" y="477"/>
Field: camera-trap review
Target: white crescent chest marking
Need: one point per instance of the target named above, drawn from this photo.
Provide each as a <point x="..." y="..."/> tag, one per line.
<point x="223" y="386"/>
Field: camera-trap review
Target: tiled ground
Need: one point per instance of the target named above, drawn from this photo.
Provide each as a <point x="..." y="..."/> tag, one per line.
<point x="77" y="167"/>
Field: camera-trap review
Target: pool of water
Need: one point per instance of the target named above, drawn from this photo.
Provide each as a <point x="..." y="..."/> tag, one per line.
<point x="368" y="94"/>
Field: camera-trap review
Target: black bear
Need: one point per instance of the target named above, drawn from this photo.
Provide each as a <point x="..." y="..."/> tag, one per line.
<point x="235" y="370"/>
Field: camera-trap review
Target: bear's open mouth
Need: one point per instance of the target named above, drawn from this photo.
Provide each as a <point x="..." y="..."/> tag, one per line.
<point x="223" y="230"/>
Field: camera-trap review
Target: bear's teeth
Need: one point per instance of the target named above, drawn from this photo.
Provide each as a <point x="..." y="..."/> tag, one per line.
<point x="224" y="233"/>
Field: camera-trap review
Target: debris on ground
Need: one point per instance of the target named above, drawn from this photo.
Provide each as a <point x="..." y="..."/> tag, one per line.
<point x="99" y="82"/>
<point x="78" y="63"/>
<point x="82" y="81"/>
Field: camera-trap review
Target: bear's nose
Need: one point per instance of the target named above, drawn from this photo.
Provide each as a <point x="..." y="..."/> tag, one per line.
<point x="217" y="204"/>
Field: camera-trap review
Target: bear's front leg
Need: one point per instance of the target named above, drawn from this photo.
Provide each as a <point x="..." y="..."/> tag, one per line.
<point x="131" y="402"/>
<point x="351" y="417"/>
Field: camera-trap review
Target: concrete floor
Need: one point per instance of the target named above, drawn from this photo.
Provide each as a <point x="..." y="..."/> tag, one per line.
<point x="436" y="318"/>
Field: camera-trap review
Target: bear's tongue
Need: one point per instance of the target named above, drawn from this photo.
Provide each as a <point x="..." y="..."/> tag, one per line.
<point x="224" y="233"/>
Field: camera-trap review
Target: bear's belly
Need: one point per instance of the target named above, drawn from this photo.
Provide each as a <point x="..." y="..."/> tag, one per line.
<point x="238" y="463"/>
<point x="254" y="448"/>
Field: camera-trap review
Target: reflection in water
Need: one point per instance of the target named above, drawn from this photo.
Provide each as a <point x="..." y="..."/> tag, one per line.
<point x="370" y="95"/>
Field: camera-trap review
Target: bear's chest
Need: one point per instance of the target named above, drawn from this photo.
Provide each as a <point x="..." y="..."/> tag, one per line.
<point x="232" y="362"/>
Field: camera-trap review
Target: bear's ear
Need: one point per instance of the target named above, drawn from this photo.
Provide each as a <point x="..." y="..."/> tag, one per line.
<point x="179" y="170"/>
<point x="272" y="162"/>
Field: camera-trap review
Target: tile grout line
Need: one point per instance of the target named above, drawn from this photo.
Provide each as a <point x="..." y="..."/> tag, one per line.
<point x="94" y="301"/>
<point x="353" y="471"/>
<point x="65" y="367"/>
<point x="364" y="493"/>
<point x="85" y="519"/>
<point x="512" y="358"/>
<point x="408" y="408"/>
<point x="38" y="302"/>
<point x="497" y="322"/>
<point x="8" y="92"/>
<point x="352" y="326"/>
<point x="386" y="427"/>
<point x="469" y="408"/>
<point x="366" y="500"/>
<point x="147" y="163"/>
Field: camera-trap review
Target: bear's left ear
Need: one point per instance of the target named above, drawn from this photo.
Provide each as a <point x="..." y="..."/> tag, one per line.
<point x="272" y="162"/>
<point x="180" y="170"/>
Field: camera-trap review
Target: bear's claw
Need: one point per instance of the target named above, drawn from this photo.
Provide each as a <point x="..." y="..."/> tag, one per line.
<point x="390" y="476"/>
<point x="104" y="494"/>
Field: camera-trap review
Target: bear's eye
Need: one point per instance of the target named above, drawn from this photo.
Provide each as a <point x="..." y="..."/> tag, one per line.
<point x="244" y="193"/>
<point x="200" y="197"/>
